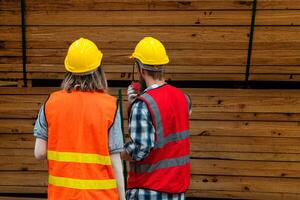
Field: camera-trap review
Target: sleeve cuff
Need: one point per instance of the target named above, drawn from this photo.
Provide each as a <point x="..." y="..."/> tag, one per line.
<point x="116" y="151"/>
<point x="40" y="137"/>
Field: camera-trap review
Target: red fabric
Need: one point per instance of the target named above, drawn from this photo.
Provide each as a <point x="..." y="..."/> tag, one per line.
<point x="79" y="122"/>
<point x="174" y="113"/>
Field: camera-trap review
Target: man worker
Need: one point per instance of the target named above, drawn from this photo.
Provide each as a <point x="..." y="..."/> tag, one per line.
<point x="158" y="151"/>
<point x="79" y="131"/>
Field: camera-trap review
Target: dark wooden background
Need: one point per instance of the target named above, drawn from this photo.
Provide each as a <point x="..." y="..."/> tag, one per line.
<point x="245" y="142"/>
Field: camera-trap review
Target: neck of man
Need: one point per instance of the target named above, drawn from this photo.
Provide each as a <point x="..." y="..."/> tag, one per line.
<point x="151" y="81"/>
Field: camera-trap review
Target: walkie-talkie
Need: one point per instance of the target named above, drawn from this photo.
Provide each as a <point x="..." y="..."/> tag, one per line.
<point x="135" y="84"/>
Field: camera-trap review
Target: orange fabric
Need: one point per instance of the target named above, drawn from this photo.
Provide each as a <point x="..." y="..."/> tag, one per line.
<point x="87" y="171"/>
<point x="60" y="193"/>
<point x="79" y="122"/>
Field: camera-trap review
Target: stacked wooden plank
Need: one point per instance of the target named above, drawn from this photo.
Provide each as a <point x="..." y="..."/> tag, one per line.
<point x="276" y="54"/>
<point x="247" y="146"/>
<point x="244" y="143"/>
<point x="206" y="40"/>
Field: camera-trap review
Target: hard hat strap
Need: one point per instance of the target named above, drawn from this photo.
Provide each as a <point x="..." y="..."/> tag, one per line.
<point x="133" y="66"/>
<point x="153" y="68"/>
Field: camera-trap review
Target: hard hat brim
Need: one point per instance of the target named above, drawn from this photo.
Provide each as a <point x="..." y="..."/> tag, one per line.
<point x="150" y="62"/>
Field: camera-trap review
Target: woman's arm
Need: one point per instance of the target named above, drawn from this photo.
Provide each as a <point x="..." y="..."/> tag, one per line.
<point x="41" y="135"/>
<point x="40" y="149"/>
<point x="118" y="170"/>
<point x="116" y="146"/>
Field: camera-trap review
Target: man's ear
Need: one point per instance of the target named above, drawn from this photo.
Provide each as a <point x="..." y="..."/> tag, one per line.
<point x="142" y="72"/>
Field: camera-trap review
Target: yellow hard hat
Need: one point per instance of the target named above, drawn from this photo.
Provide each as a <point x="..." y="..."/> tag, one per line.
<point x="151" y="51"/>
<point x="83" y="56"/>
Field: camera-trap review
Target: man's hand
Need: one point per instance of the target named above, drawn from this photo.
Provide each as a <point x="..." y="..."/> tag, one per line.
<point x="132" y="94"/>
<point x="126" y="156"/>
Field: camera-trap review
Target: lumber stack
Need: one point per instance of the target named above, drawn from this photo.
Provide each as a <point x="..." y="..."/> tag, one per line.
<point x="206" y="40"/>
<point x="276" y="41"/>
<point x="244" y="143"/>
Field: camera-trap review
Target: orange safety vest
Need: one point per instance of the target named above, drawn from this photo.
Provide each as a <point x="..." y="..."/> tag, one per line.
<point x="79" y="164"/>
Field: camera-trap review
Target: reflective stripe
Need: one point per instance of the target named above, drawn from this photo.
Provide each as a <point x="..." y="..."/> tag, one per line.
<point x="189" y="103"/>
<point x="173" y="137"/>
<point x="161" y="140"/>
<point x="173" y="162"/>
<point x="79" y="157"/>
<point x="158" y="122"/>
<point x="82" y="184"/>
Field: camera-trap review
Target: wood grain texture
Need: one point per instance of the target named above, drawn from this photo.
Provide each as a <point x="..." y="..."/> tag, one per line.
<point x="129" y="5"/>
<point x="241" y="142"/>
<point x="244" y="142"/>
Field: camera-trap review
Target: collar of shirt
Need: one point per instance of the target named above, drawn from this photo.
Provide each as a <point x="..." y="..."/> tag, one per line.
<point x="152" y="87"/>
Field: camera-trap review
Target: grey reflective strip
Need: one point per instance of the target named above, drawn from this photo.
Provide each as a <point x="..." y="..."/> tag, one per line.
<point x="174" y="162"/>
<point x="189" y="102"/>
<point x="173" y="137"/>
<point x="157" y="118"/>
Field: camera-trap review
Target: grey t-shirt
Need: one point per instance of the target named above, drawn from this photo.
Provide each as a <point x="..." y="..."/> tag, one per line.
<point x="116" y="143"/>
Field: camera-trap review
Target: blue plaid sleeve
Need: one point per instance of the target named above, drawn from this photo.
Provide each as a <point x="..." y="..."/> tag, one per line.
<point x="141" y="132"/>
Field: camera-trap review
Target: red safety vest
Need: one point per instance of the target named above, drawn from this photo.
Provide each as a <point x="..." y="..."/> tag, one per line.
<point x="167" y="167"/>
<point x="79" y="164"/>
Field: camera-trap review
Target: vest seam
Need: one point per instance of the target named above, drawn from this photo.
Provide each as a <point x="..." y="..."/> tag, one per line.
<point x="45" y="110"/>
<point x="115" y="115"/>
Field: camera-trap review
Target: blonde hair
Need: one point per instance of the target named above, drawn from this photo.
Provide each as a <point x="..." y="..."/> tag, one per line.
<point x="94" y="81"/>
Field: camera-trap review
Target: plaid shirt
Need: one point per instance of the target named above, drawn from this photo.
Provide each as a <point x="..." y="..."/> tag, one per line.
<point x="142" y="135"/>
